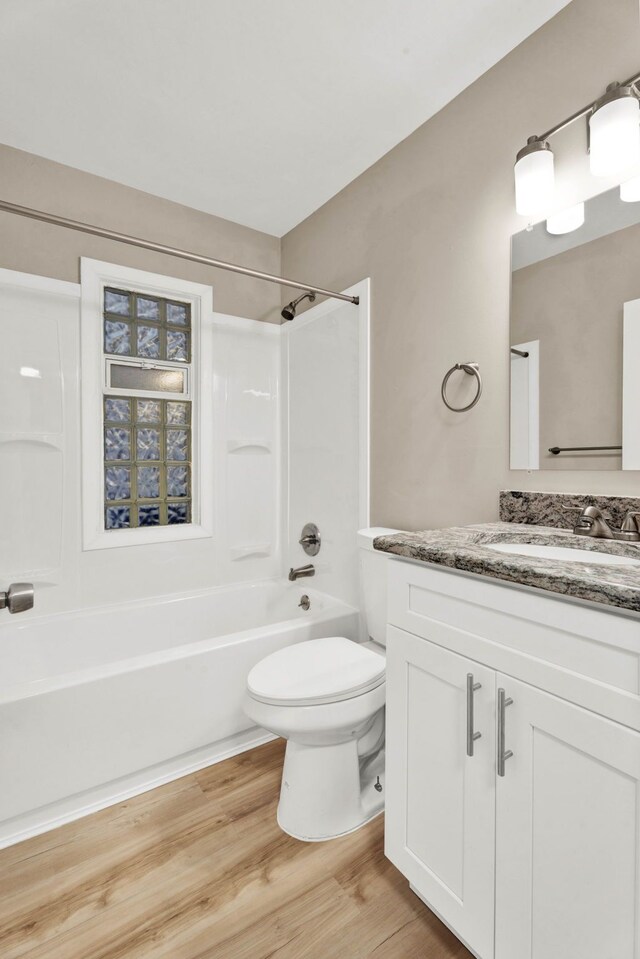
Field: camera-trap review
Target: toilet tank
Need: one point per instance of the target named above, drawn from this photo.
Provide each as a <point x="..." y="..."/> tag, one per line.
<point x="372" y="567"/>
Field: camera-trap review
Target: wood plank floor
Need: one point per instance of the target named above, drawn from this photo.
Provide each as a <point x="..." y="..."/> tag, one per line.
<point x="198" y="869"/>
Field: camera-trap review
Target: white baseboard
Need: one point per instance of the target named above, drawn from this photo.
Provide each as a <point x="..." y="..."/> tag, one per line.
<point x="67" y="810"/>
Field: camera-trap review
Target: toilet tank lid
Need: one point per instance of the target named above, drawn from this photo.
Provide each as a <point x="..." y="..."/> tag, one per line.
<point x="367" y="536"/>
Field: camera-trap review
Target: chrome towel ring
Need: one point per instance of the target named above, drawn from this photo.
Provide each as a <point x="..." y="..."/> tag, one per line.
<point x="473" y="369"/>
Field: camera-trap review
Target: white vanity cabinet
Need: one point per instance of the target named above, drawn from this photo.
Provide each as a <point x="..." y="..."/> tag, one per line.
<point x="440" y="803"/>
<point x="567" y="842"/>
<point x="542" y="861"/>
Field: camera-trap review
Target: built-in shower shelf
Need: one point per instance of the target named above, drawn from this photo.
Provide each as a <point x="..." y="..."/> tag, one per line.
<point x="249" y="445"/>
<point x="244" y="552"/>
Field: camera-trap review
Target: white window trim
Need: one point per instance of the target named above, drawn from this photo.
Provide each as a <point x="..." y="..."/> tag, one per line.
<point x="94" y="276"/>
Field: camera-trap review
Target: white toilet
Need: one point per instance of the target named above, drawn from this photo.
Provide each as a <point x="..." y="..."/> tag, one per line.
<point x="326" y="698"/>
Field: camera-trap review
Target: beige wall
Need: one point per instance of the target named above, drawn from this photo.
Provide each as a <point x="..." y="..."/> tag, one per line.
<point x="431" y="223"/>
<point x="33" y="247"/>
<point x="573" y="303"/>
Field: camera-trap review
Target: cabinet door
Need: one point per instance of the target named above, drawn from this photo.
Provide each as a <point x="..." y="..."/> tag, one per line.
<point x="440" y="802"/>
<point x="568" y="836"/>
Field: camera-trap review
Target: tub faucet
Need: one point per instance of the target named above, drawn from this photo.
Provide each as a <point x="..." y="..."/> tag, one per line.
<point x="295" y="574"/>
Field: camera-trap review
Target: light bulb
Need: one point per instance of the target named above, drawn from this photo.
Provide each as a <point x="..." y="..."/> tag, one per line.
<point x="566" y="220"/>
<point x="630" y="191"/>
<point x="614" y="128"/>
<point x="534" y="177"/>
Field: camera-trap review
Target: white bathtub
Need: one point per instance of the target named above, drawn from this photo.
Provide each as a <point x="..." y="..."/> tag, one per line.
<point x="98" y="705"/>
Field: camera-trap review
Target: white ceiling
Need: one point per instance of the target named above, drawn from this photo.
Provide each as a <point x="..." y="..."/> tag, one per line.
<point x="255" y="110"/>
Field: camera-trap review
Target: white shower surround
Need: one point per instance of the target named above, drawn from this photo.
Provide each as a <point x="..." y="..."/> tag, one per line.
<point x="104" y="694"/>
<point x="325" y="369"/>
<point x="41" y="468"/>
<point x="98" y="705"/>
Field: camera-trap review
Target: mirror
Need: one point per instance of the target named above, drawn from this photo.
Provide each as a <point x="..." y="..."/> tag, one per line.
<point x="575" y="341"/>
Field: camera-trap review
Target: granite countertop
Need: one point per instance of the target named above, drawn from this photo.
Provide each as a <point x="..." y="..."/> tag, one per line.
<point x="465" y="548"/>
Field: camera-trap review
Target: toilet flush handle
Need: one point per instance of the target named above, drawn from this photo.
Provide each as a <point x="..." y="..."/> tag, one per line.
<point x="18" y="598"/>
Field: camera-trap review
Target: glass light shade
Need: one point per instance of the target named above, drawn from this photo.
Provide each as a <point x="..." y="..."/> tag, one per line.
<point x="534" y="180"/>
<point x="630" y="191"/>
<point x="615" y="136"/>
<point x="566" y="220"/>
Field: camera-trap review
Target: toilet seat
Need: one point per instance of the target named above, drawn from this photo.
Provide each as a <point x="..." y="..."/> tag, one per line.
<point x="318" y="671"/>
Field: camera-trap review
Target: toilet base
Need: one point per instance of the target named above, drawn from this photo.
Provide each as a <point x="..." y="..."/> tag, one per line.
<point x="337" y="835"/>
<point x="329" y="791"/>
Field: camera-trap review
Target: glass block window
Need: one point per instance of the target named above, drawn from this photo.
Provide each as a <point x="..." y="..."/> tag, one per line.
<point x="147" y="439"/>
<point x="150" y="328"/>
<point x="147" y="462"/>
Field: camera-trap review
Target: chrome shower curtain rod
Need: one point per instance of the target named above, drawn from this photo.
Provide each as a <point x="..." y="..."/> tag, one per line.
<point x="169" y="250"/>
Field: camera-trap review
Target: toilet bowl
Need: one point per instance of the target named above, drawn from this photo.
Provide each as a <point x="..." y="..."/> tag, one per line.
<point x="326" y="698"/>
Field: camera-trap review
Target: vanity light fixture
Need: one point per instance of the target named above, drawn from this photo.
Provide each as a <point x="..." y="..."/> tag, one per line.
<point x="614" y="138"/>
<point x="630" y="190"/>
<point x="534" y="177"/>
<point x="565" y="221"/>
<point x="614" y="129"/>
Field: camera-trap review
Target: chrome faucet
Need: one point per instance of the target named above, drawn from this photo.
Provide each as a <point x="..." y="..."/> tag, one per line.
<point x="593" y="522"/>
<point x="295" y="574"/>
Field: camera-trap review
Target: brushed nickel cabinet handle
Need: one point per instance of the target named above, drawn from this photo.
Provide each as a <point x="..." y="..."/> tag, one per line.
<point x="471" y="735"/>
<point x="503" y="754"/>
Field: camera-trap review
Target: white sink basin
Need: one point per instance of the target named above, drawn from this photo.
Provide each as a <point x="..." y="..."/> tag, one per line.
<point x="563" y="553"/>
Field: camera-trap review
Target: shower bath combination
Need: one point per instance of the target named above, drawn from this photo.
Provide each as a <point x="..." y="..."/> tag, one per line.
<point x="195" y="641"/>
<point x="267" y="371"/>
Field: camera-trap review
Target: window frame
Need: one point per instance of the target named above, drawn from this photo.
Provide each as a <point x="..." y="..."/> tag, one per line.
<point x="95" y="275"/>
<point x="138" y="363"/>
